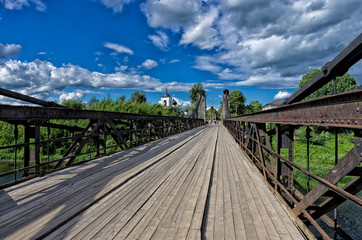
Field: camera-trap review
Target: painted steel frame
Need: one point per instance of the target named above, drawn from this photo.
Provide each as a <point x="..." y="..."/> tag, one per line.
<point x="126" y="130"/>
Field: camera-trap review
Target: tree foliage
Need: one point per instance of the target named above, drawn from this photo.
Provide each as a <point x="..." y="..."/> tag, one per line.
<point x="194" y="93"/>
<point x="344" y="83"/>
<point x="217" y="113"/>
<point x="253" y="106"/>
<point x="74" y="104"/>
<point x="136" y="104"/>
<point x="237" y="102"/>
<point x="139" y="97"/>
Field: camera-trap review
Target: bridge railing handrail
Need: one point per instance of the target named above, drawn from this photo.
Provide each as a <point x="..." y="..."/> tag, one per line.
<point x="338" y="111"/>
<point x="271" y="171"/>
<point x="98" y="133"/>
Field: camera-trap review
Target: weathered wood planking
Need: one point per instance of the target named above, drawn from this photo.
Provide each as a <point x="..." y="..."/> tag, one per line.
<point x="155" y="191"/>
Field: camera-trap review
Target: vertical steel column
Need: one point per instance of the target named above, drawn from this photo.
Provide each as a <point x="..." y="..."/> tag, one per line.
<point x="37" y="150"/>
<point x="48" y="143"/>
<point x="134" y="134"/>
<point x="97" y="141"/>
<point x="335" y="160"/>
<point x="105" y="137"/>
<point x="26" y="160"/>
<point x="308" y="138"/>
<point x="278" y="143"/>
<point x="290" y="156"/>
<point x="16" y="133"/>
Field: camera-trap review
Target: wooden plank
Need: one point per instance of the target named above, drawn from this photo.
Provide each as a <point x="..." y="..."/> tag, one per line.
<point x="274" y="208"/>
<point x="153" y="224"/>
<point x="159" y="171"/>
<point x="148" y="210"/>
<point x="40" y="208"/>
<point x="173" y="218"/>
<point x="241" y="186"/>
<point x="201" y="202"/>
<point x="192" y="218"/>
<point x="210" y="220"/>
<point x="219" y="204"/>
<point x="156" y="191"/>
<point x="38" y="187"/>
<point x="139" y="180"/>
<point x="236" y="207"/>
<point x="228" y="211"/>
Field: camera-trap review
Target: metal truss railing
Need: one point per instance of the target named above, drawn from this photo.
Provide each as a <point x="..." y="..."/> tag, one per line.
<point x="337" y="113"/>
<point x="82" y="134"/>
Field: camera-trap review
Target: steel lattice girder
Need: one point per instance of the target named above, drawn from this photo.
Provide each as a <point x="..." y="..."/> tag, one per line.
<point x="337" y="67"/>
<point x="27" y="113"/>
<point x="342" y="110"/>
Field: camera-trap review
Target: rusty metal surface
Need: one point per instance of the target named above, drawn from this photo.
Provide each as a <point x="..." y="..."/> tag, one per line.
<point x="304" y="206"/>
<point x="87" y="141"/>
<point x="342" y="110"/>
<point x="27" y="113"/>
<point x="337" y="67"/>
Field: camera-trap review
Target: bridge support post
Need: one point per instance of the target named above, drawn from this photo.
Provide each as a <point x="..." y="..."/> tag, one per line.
<point x="201" y="111"/>
<point x="212" y="114"/>
<point x="278" y="143"/>
<point x="225" y="105"/>
<point x="105" y="137"/>
<point x="26" y="160"/>
<point x="290" y="156"/>
<point x="37" y="150"/>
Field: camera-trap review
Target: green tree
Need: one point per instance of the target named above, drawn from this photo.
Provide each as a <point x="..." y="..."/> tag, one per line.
<point x="344" y="83"/>
<point x="139" y="97"/>
<point x="253" y="106"/>
<point x="237" y="102"/>
<point x="77" y="104"/>
<point x="93" y="102"/>
<point x="217" y="113"/>
<point x="194" y="93"/>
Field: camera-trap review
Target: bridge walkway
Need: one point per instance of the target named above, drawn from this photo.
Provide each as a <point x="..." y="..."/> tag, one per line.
<point x="197" y="184"/>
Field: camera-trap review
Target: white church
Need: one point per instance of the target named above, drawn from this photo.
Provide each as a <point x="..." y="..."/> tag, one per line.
<point x="167" y="101"/>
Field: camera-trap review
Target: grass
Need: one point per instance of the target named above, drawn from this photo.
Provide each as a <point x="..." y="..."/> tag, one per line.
<point x="321" y="156"/>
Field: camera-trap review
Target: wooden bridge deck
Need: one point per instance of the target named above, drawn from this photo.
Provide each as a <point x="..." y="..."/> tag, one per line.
<point x="193" y="185"/>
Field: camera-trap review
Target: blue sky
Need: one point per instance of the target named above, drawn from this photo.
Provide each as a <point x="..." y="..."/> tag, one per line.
<point x="66" y="49"/>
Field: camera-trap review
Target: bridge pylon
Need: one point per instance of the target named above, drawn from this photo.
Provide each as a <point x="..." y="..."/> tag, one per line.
<point x="225" y="105"/>
<point x="212" y="114"/>
<point x="201" y="109"/>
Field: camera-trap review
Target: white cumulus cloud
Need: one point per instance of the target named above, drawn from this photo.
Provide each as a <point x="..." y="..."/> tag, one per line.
<point x="115" y="5"/>
<point x="71" y="96"/>
<point x="9" y="50"/>
<point x="174" y="61"/>
<point x="19" y="4"/>
<point x="202" y="33"/>
<point x="282" y="95"/>
<point x="149" y="63"/>
<point x="262" y="38"/>
<point x="76" y="95"/>
<point x="160" y="40"/>
<point x="41" y="79"/>
<point x="118" y="48"/>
